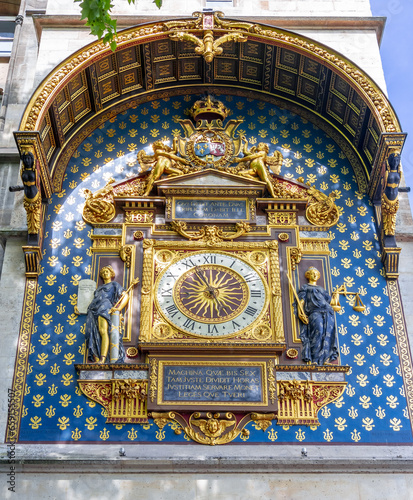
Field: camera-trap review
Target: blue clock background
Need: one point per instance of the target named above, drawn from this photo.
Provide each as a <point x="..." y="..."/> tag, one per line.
<point x="373" y="407"/>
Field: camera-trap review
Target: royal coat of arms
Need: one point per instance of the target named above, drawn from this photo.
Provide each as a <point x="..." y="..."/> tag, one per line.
<point x="209" y="144"/>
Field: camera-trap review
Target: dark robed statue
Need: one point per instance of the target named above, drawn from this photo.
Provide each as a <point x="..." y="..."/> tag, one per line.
<point x="100" y="315"/>
<point x="318" y="329"/>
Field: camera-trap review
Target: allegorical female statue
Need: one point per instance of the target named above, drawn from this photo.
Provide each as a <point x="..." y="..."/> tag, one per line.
<point x="318" y="330"/>
<point x="102" y="316"/>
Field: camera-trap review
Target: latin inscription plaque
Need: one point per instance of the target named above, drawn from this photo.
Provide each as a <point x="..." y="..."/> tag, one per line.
<point x="218" y="209"/>
<point x="212" y="384"/>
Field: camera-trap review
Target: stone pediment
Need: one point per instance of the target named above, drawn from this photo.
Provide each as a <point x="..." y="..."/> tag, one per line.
<point x="209" y="179"/>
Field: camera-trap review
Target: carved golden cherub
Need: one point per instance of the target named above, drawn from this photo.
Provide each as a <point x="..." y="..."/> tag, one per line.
<point x="163" y="161"/>
<point x="259" y="160"/>
<point x="213" y="427"/>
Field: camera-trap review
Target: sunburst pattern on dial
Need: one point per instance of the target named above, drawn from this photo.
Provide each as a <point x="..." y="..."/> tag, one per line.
<point x="211" y="294"/>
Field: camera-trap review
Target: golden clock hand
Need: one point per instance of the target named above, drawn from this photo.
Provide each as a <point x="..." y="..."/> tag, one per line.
<point x="209" y="287"/>
<point x="237" y="282"/>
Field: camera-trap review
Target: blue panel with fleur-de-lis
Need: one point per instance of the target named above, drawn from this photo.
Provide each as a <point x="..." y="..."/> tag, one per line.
<point x="373" y="408"/>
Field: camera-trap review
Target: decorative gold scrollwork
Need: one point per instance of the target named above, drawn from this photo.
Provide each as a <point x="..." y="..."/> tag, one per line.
<point x="125" y="253"/>
<point x="153" y="378"/>
<point x="389" y="210"/>
<point x="99" y="206"/>
<point x="212" y="429"/>
<point x="263" y="420"/>
<point x="210" y="234"/>
<point x="208" y="47"/>
<point x="129" y="389"/>
<point x="321" y="209"/>
<point x="300" y="401"/>
<point x="123" y="399"/>
<point x="296" y="255"/>
<point x="272" y="386"/>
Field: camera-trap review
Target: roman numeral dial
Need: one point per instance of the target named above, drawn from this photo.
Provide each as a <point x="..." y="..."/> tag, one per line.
<point x="211" y="294"/>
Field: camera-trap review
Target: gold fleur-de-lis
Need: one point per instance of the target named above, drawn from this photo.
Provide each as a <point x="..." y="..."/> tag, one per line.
<point x="76" y="434"/>
<point x="78" y="411"/>
<point x="50" y="412"/>
<point x="300" y="435"/>
<point x="132" y="434"/>
<point x="328" y="435"/>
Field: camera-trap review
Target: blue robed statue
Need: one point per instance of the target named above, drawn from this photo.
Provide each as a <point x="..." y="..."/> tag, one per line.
<point x="318" y="328"/>
<point x="103" y="320"/>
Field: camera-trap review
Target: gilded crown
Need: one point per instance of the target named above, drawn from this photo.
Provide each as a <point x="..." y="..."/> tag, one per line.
<point x="208" y="109"/>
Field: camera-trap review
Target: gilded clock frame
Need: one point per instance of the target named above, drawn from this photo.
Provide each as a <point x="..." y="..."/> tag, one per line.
<point x="268" y="329"/>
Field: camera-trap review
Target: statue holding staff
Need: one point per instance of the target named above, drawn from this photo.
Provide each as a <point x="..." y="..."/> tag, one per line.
<point x="103" y="319"/>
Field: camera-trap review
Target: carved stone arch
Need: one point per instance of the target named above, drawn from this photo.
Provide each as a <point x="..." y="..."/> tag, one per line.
<point x="291" y="70"/>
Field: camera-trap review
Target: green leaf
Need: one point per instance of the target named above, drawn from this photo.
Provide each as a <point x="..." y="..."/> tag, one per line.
<point x="99" y="20"/>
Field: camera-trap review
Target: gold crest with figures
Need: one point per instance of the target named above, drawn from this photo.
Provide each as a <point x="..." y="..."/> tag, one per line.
<point x="209" y="144"/>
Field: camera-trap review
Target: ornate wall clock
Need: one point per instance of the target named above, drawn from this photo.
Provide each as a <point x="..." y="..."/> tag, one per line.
<point x="211" y="294"/>
<point x="229" y="293"/>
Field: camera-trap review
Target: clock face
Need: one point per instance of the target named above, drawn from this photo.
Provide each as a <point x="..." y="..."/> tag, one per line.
<point x="211" y="294"/>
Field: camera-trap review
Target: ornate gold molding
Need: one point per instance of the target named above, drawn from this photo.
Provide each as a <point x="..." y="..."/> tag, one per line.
<point x="60" y="76"/>
<point x="300" y="401"/>
<point x="282" y="218"/>
<point x="32" y="257"/>
<point x="212" y="428"/>
<point x="102" y="243"/>
<point x="126" y="253"/>
<point x="403" y="347"/>
<point x="264" y="256"/>
<point x="389" y="210"/>
<point x="123" y="399"/>
<point x="139" y="216"/>
<point x="22" y="359"/>
<point x="315" y="245"/>
<point x="378" y="101"/>
<point x="295" y="254"/>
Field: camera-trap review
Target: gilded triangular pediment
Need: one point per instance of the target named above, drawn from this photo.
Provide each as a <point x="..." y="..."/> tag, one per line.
<point x="208" y="179"/>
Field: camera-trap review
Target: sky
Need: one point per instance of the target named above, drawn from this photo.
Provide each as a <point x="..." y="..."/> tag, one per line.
<point x="396" y="52"/>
